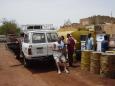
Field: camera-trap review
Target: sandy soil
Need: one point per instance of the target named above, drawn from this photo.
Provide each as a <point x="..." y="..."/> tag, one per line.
<point x="13" y="73"/>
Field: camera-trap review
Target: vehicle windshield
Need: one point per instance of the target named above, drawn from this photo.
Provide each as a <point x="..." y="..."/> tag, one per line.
<point x="38" y="38"/>
<point x="52" y="37"/>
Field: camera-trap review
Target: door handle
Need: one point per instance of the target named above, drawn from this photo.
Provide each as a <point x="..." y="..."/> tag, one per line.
<point x="39" y="47"/>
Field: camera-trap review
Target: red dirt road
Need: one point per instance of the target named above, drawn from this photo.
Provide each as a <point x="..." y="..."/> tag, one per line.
<point x="13" y="73"/>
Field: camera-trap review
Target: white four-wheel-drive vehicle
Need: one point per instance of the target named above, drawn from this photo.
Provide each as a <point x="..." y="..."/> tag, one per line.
<point x="37" y="44"/>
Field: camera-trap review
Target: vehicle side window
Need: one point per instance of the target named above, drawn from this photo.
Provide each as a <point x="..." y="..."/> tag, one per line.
<point x="38" y="38"/>
<point x="30" y="27"/>
<point x="26" y="38"/>
<point x="52" y="37"/>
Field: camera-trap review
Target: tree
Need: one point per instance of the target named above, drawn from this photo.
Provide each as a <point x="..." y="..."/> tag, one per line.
<point x="9" y="27"/>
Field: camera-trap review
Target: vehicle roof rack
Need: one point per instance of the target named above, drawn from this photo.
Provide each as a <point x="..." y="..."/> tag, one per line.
<point x="32" y="27"/>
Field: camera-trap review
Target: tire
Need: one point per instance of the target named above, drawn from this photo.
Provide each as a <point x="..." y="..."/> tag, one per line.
<point x="26" y="62"/>
<point x="21" y="54"/>
<point x="17" y="57"/>
<point x="17" y="53"/>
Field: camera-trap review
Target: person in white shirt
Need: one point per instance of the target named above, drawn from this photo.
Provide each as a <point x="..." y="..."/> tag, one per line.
<point x="59" y="57"/>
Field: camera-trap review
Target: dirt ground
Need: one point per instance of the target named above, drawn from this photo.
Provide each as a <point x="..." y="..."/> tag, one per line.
<point x="13" y="73"/>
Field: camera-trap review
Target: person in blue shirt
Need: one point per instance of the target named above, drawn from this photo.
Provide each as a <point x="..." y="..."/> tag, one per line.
<point x="89" y="42"/>
<point x="105" y="44"/>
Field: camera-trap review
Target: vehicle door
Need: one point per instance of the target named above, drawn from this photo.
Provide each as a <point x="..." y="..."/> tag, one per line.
<point x="39" y="45"/>
<point x="25" y="44"/>
<point x="51" y="39"/>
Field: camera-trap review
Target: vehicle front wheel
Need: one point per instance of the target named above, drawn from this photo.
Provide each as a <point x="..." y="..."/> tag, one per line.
<point x="26" y="62"/>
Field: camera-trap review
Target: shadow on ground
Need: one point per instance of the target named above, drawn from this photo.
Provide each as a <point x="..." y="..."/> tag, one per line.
<point x="40" y="66"/>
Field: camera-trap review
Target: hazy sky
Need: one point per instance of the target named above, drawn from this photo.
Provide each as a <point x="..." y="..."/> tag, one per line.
<point x="53" y="11"/>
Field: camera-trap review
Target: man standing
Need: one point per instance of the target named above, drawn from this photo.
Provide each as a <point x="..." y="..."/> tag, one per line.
<point x="89" y="42"/>
<point x="70" y="48"/>
<point x="105" y="44"/>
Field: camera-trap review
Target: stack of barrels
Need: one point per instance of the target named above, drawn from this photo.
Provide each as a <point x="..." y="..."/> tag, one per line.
<point x="98" y="63"/>
<point x="95" y="62"/>
<point x="85" y="60"/>
<point x="107" y="65"/>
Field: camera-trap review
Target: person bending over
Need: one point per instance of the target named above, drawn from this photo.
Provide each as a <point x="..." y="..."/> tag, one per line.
<point x="59" y="57"/>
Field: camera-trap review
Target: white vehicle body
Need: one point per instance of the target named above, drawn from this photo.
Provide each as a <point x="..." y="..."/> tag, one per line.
<point x="38" y="44"/>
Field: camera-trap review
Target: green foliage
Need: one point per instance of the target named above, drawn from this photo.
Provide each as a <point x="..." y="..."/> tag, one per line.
<point x="82" y="29"/>
<point x="9" y="27"/>
<point x="76" y="34"/>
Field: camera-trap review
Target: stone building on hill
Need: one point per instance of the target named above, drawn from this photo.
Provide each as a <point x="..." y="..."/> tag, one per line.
<point x="97" y="20"/>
